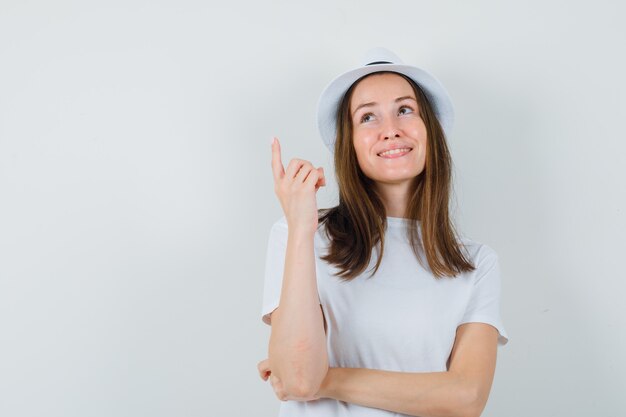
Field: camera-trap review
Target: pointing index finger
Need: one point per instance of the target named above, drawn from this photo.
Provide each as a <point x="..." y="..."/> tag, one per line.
<point x="277" y="166"/>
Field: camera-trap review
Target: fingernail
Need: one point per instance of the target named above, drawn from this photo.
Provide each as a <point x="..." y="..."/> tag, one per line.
<point x="272" y="140"/>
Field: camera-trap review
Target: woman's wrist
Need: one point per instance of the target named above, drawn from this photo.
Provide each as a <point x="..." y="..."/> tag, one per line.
<point x="301" y="233"/>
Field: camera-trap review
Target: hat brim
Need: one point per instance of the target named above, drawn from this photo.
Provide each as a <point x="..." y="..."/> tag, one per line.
<point x="333" y="93"/>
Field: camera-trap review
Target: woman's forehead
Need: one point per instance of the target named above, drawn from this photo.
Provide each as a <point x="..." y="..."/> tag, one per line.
<point x="381" y="86"/>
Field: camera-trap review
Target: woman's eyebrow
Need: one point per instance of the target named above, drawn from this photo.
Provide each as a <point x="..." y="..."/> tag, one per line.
<point x="371" y="103"/>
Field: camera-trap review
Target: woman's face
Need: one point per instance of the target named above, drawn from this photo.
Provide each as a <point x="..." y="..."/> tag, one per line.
<point x="385" y="115"/>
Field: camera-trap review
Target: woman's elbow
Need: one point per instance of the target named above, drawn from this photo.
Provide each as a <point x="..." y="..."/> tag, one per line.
<point x="303" y="387"/>
<point x="473" y="406"/>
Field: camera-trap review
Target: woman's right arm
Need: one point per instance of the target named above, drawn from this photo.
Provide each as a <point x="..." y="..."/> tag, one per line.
<point x="297" y="347"/>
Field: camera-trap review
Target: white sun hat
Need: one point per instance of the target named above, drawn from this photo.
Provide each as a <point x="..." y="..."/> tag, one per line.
<point x="376" y="60"/>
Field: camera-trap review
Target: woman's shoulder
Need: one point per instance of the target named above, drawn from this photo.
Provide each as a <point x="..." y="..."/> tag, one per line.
<point x="478" y="252"/>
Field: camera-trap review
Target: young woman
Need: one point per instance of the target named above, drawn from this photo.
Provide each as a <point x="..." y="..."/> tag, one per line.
<point x="377" y="306"/>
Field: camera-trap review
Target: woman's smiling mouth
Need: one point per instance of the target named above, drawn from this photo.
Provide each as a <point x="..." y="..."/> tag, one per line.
<point x="395" y="153"/>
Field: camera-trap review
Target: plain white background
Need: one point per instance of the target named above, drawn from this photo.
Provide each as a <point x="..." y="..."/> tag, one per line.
<point x="136" y="193"/>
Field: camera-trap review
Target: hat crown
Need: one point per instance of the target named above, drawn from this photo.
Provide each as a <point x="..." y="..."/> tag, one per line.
<point x="380" y="55"/>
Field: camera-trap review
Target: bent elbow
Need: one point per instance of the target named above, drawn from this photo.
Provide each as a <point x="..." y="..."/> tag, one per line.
<point x="302" y="389"/>
<point x="303" y="371"/>
<point x="473" y="404"/>
<point x="471" y="412"/>
<point x="306" y="386"/>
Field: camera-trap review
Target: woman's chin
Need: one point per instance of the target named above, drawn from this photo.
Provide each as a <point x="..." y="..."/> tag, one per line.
<point x="395" y="180"/>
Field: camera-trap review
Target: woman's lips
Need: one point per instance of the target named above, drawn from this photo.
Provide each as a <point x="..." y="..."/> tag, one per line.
<point x="395" y="155"/>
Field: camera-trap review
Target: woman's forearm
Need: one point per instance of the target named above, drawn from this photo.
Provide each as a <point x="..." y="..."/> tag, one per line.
<point x="427" y="394"/>
<point x="297" y="347"/>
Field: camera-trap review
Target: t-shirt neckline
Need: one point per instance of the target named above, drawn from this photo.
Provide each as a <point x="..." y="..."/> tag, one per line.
<point x="400" y="221"/>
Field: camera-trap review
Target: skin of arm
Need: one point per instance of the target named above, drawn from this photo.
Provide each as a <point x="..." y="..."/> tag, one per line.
<point x="297" y="346"/>
<point x="462" y="391"/>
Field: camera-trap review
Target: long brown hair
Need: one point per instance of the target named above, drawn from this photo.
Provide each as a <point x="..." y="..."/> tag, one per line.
<point x="359" y="221"/>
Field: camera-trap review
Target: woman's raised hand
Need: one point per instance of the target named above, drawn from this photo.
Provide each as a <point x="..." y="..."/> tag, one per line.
<point x="296" y="189"/>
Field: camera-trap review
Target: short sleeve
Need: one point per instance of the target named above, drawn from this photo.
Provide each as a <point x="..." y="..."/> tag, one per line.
<point x="274" y="268"/>
<point x="484" y="302"/>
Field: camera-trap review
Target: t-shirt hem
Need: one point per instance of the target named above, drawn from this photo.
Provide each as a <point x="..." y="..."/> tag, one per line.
<point x="265" y="313"/>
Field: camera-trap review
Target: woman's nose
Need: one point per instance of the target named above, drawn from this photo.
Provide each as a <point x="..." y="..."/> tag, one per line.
<point x="390" y="128"/>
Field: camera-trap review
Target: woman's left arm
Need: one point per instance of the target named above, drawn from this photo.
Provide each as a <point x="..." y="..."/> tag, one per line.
<point x="462" y="391"/>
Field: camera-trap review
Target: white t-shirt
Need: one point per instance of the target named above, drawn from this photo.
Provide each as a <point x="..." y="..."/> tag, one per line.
<point x="401" y="319"/>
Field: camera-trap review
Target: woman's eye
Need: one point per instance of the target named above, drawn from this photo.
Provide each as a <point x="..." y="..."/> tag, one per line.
<point x="410" y="110"/>
<point x="366" y="117"/>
